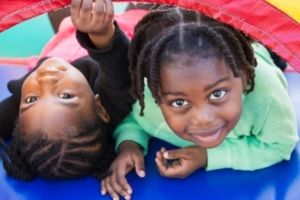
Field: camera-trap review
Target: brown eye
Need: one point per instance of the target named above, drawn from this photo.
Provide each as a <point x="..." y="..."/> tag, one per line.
<point x="31" y="99"/>
<point x="66" y="96"/>
<point x="217" y="94"/>
<point x="179" y="103"/>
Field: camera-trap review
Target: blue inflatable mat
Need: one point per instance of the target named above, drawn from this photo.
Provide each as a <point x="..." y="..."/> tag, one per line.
<point x="280" y="182"/>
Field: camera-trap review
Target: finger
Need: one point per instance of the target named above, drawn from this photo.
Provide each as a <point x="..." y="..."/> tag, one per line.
<point x="103" y="187"/>
<point x="169" y="171"/>
<point x="161" y="166"/>
<point x="75" y="9"/>
<point x="118" y="187"/>
<point x="85" y="14"/>
<point x="109" y="12"/>
<point x="139" y="166"/>
<point x="123" y="182"/>
<point x="110" y="189"/>
<point x="159" y="154"/>
<point x="122" y="187"/>
<point x="174" y="154"/>
<point x="99" y="12"/>
<point x="163" y="149"/>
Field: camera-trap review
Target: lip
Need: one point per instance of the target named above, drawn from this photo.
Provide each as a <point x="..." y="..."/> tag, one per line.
<point x="207" y="132"/>
<point x="207" y="138"/>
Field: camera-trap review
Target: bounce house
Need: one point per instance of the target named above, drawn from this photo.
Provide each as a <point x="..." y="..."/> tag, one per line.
<point x="274" y="23"/>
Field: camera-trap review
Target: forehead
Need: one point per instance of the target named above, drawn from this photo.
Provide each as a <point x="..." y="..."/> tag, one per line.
<point x="185" y="67"/>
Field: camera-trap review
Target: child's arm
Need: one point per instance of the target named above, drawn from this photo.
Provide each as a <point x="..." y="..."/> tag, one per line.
<point x="94" y="18"/>
<point x="114" y="83"/>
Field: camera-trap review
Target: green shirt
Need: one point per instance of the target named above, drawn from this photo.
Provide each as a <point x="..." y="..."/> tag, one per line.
<point x="265" y="134"/>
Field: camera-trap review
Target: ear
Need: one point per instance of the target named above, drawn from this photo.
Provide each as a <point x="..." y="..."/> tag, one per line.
<point x="101" y="110"/>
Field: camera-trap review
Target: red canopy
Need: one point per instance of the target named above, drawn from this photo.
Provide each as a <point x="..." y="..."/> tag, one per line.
<point x="261" y="20"/>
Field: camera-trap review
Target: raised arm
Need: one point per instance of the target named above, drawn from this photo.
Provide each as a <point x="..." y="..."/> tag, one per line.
<point x="106" y="44"/>
<point x="103" y="40"/>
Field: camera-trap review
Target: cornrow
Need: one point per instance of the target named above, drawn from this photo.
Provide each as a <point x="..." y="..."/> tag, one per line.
<point x="84" y="153"/>
<point x="196" y="38"/>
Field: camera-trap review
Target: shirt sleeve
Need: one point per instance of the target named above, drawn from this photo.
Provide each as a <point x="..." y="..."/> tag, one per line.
<point x="129" y="129"/>
<point x="112" y="59"/>
<point x="113" y="81"/>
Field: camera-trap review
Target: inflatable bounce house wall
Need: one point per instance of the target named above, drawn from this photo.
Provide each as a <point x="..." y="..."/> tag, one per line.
<point x="272" y="22"/>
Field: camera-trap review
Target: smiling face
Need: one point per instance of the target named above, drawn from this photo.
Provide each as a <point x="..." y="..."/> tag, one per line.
<point x="201" y="99"/>
<point x="56" y="100"/>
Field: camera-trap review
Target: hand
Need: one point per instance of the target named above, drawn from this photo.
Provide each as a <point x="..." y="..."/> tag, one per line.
<point x="180" y="163"/>
<point x="96" y="19"/>
<point x="130" y="156"/>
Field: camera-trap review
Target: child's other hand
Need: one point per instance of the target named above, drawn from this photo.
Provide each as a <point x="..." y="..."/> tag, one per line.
<point x="180" y="163"/>
<point x="94" y="18"/>
<point x="130" y="156"/>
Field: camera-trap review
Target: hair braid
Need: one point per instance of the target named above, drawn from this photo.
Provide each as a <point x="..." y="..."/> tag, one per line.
<point x="13" y="162"/>
<point x="78" y="154"/>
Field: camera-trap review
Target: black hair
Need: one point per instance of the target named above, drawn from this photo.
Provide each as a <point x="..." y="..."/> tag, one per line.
<point x="163" y="34"/>
<point x="86" y="152"/>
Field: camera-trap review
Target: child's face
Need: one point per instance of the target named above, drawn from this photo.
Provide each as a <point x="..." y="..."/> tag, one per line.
<point x="56" y="99"/>
<point x="201" y="99"/>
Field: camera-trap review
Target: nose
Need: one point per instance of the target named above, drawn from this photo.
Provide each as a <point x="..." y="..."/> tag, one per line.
<point x="203" y="116"/>
<point x="48" y="79"/>
<point x="50" y="70"/>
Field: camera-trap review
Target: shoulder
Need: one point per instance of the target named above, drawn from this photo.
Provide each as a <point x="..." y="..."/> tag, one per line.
<point x="269" y="79"/>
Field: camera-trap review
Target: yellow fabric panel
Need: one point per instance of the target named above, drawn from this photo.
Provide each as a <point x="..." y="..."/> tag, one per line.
<point x="290" y="7"/>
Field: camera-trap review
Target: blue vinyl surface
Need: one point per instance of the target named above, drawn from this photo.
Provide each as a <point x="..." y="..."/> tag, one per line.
<point x="280" y="182"/>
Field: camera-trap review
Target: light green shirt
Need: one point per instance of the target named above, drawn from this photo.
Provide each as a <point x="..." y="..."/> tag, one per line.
<point x="265" y="134"/>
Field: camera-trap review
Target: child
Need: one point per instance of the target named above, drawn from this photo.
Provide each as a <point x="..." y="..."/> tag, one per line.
<point x="65" y="113"/>
<point x="225" y="113"/>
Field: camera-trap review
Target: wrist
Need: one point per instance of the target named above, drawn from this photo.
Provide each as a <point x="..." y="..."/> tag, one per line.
<point x="129" y="145"/>
<point x="103" y="39"/>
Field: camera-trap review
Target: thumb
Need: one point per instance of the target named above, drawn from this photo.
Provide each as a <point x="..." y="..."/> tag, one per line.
<point x="174" y="154"/>
<point x="140" y="167"/>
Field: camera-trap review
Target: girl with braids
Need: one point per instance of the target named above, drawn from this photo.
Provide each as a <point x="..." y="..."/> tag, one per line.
<point x="61" y="116"/>
<point x="215" y="105"/>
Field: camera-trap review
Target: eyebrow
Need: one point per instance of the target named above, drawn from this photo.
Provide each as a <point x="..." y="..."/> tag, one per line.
<point x="216" y="83"/>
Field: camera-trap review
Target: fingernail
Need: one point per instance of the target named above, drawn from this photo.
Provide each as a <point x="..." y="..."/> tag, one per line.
<point x="127" y="197"/>
<point x="166" y="155"/>
<point x="142" y="174"/>
<point x="129" y="191"/>
<point x="103" y="192"/>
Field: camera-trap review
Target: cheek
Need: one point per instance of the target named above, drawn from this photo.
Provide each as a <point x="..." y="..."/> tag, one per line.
<point x="232" y="112"/>
<point x="174" y="121"/>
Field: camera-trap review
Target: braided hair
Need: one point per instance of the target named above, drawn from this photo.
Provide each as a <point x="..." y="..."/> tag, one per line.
<point x="162" y="35"/>
<point x="86" y="152"/>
